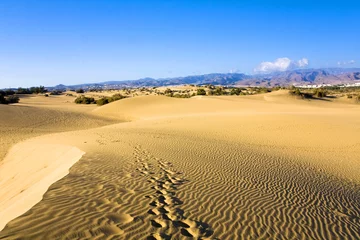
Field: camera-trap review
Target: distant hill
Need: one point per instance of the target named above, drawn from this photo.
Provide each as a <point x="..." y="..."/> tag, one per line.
<point x="305" y="76"/>
<point x="294" y="77"/>
<point x="213" y="78"/>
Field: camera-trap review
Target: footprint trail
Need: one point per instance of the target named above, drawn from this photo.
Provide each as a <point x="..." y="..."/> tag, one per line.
<point x="167" y="218"/>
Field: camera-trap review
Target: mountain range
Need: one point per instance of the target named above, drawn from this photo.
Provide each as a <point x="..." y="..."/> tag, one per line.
<point x="330" y="76"/>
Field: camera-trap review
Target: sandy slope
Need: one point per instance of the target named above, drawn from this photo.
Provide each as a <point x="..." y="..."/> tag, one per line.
<point x="38" y="115"/>
<point x="259" y="167"/>
<point x="34" y="174"/>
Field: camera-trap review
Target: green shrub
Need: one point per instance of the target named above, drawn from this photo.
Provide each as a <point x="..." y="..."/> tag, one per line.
<point x="106" y="100"/>
<point x="320" y="93"/>
<point x="235" y="91"/>
<point x="181" y="95"/>
<point x="357" y="98"/>
<point x="201" y="91"/>
<point x="168" y="91"/>
<point x="3" y="100"/>
<point x="297" y="92"/>
<point x="102" y="101"/>
<point x="84" y="100"/>
<point x="9" y="99"/>
<point x="116" y="97"/>
<point x="55" y="92"/>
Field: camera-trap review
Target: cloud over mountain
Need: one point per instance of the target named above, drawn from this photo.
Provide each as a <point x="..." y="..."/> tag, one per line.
<point x="280" y="65"/>
<point x="346" y="63"/>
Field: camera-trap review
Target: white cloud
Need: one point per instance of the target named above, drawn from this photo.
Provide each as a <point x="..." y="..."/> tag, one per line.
<point x="346" y="63"/>
<point x="281" y="64"/>
<point x="234" y="70"/>
<point x="303" y="62"/>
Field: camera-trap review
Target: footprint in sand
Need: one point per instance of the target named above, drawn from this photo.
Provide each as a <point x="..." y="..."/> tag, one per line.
<point x="120" y="217"/>
<point x="158" y="223"/>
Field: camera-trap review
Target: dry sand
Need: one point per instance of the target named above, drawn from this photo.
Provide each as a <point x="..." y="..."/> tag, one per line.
<point x="255" y="167"/>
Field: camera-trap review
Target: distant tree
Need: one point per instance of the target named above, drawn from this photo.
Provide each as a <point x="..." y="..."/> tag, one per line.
<point x="37" y="90"/>
<point x="23" y="91"/>
<point x="9" y="92"/>
<point x="80" y="90"/>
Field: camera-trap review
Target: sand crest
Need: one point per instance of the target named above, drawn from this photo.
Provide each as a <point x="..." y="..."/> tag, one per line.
<point x="26" y="173"/>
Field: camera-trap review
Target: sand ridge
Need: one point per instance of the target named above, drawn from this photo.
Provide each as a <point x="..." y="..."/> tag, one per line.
<point x="22" y="190"/>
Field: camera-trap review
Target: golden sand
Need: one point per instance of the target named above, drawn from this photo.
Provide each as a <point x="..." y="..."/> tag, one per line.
<point x="253" y="167"/>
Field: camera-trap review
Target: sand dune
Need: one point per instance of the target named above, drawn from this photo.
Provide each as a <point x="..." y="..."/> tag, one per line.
<point x="256" y="167"/>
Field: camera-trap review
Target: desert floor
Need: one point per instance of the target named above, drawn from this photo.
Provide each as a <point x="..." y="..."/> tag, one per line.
<point x="266" y="166"/>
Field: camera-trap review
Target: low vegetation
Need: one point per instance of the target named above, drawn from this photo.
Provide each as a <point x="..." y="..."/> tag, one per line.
<point x="298" y="93"/>
<point x="80" y="91"/>
<point x="8" y="97"/>
<point x="320" y="93"/>
<point x="85" y="100"/>
<point x="102" y="101"/>
<point x="55" y="92"/>
<point x="201" y="91"/>
<point x="32" y="90"/>
<point x="106" y="100"/>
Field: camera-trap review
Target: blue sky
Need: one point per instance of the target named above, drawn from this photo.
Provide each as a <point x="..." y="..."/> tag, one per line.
<point x="69" y="42"/>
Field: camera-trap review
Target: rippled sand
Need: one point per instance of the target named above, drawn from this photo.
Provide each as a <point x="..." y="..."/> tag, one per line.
<point x="255" y="167"/>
